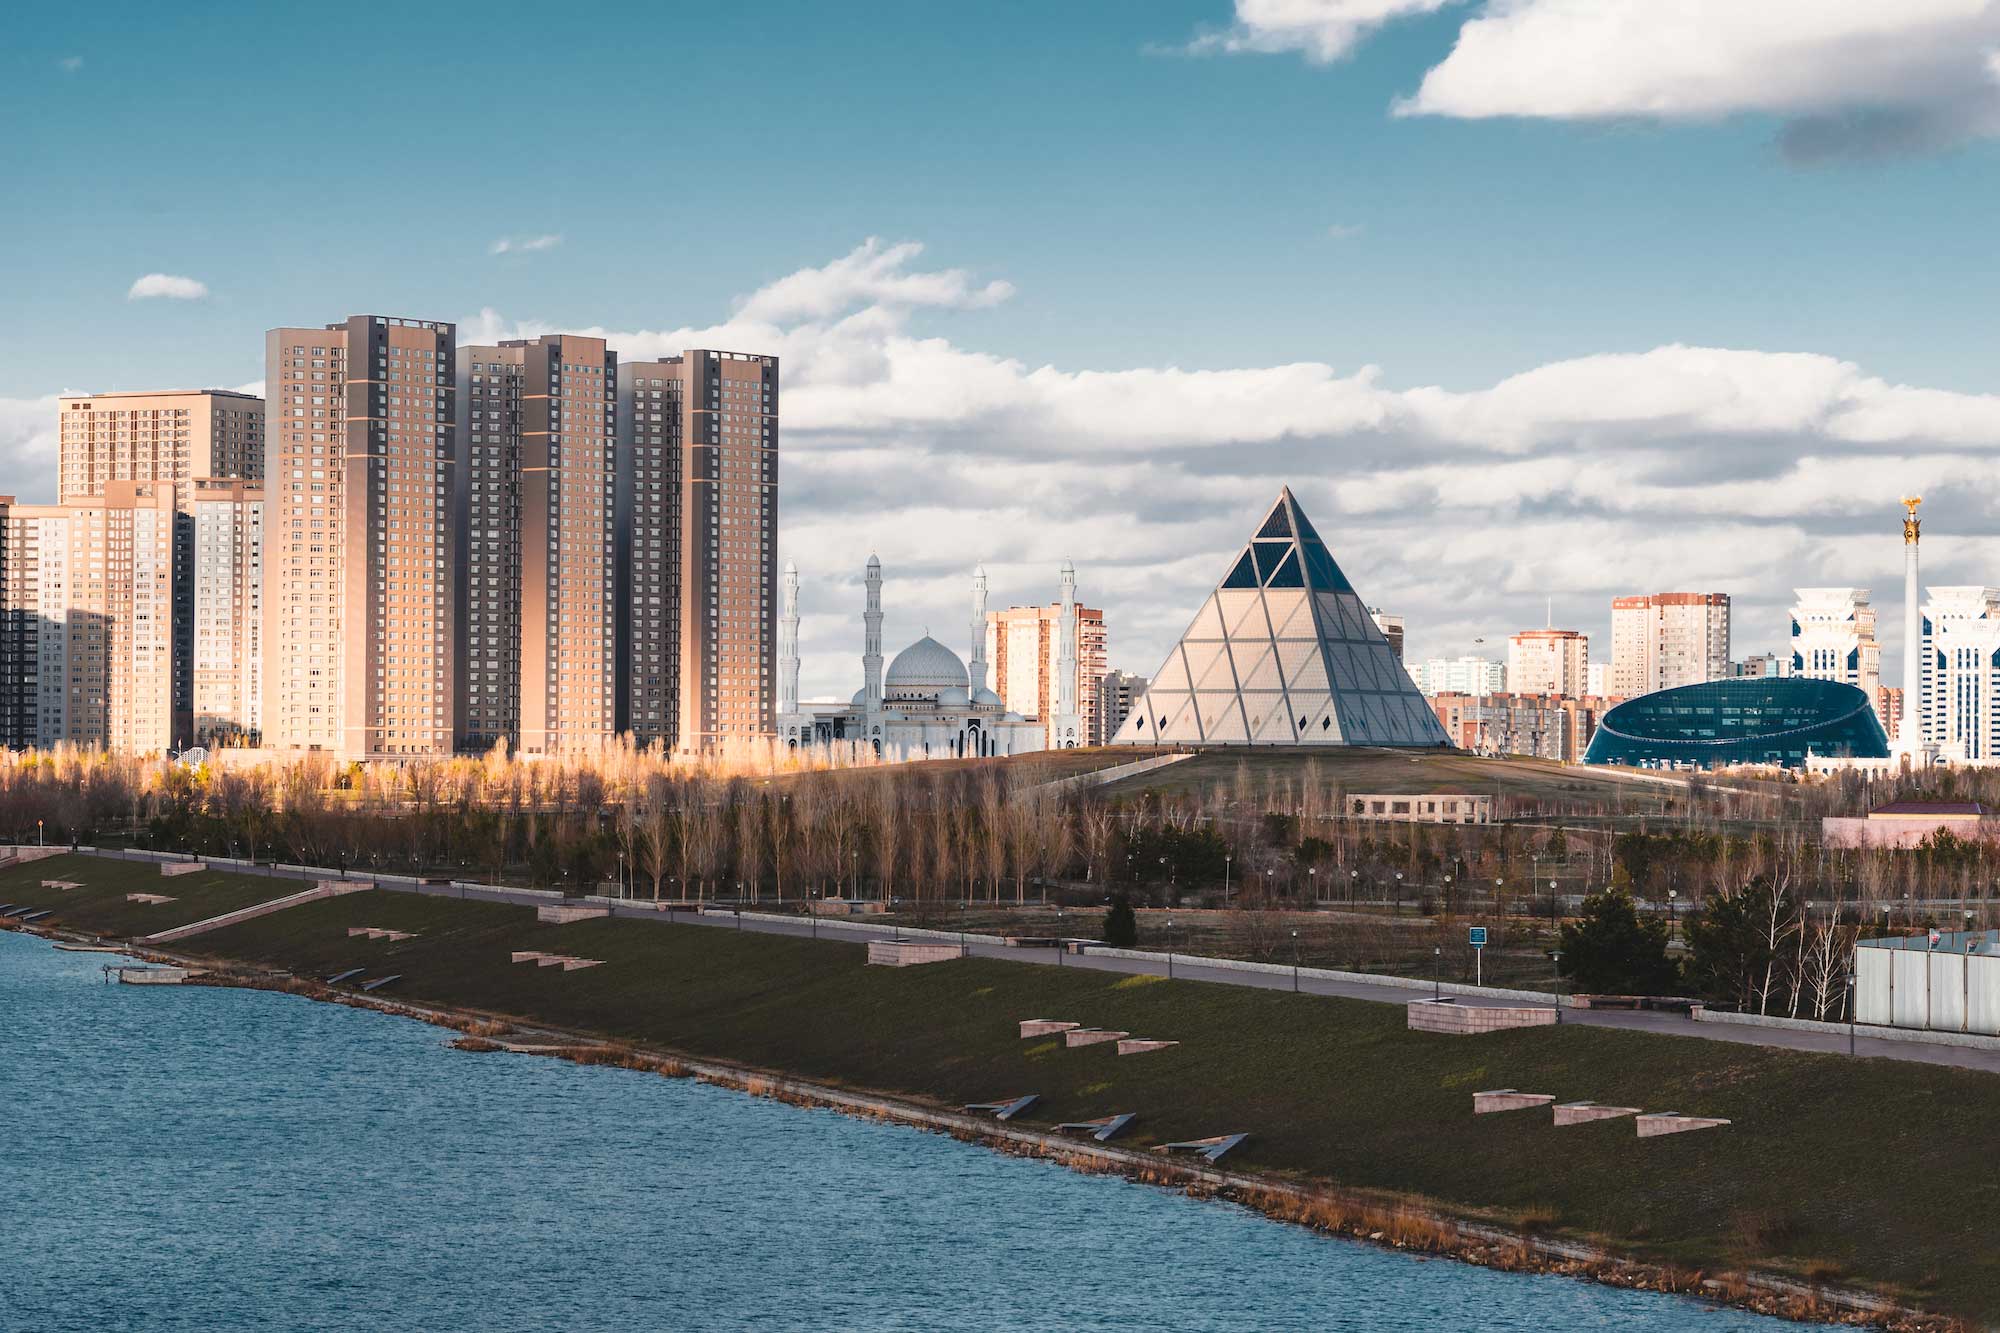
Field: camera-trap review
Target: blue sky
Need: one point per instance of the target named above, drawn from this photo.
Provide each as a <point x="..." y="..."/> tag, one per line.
<point x="1150" y="208"/>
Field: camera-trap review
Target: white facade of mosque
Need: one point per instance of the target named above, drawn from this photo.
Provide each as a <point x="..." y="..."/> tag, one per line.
<point x="928" y="705"/>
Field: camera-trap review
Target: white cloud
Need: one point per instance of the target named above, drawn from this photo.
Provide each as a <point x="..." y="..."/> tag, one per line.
<point x="28" y="447"/>
<point x="1741" y="470"/>
<point x="872" y="275"/>
<point x="170" y="286"/>
<point x="518" y="245"/>
<point x="1321" y="30"/>
<point x="1845" y="76"/>
<point x="70" y="64"/>
<point x="1344" y="231"/>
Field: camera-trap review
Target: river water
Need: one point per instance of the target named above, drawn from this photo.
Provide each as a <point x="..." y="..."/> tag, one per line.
<point x="198" y="1158"/>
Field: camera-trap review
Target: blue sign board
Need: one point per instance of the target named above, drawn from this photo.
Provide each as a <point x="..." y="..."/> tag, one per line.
<point x="1477" y="937"/>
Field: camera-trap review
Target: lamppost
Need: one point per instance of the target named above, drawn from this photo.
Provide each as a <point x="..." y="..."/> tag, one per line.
<point x="1312" y="880"/>
<point x="1170" y="948"/>
<point x="1062" y="945"/>
<point x="1437" y="972"/>
<point x="1673" y="921"/>
<point x="1447" y="895"/>
<point x="1552" y="907"/>
<point x="1398" y="909"/>
<point x="1556" y="956"/>
<point x="1353" y="885"/>
<point x="1850" y="1013"/>
<point x="1295" y="962"/>
<point x="1225" y="879"/>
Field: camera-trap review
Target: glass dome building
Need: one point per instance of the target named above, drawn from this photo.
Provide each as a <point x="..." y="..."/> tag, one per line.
<point x="1760" y="720"/>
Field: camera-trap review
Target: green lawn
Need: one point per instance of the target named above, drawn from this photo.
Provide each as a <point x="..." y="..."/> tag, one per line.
<point x="1407" y="773"/>
<point x="1875" y="1170"/>
<point x="99" y="907"/>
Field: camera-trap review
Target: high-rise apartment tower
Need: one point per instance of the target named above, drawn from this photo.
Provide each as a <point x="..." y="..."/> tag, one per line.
<point x="535" y="521"/>
<point x="360" y="632"/>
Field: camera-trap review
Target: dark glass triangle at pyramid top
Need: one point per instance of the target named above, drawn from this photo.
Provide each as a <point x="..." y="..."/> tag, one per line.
<point x="1287" y="575"/>
<point x="1321" y="570"/>
<point x="1277" y="525"/>
<point x="1244" y="575"/>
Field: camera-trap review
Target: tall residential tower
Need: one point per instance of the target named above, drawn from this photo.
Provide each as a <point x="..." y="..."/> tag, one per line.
<point x="360" y="630"/>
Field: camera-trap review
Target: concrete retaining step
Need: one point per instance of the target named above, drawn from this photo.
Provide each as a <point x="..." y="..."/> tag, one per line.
<point x="1045" y="1027"/>
<point x="1506" y="1099"/>
<point x="910" y="953"/>
<point x="1140" y="1045"/>
<point x="1579" y="1113"/>
<point x="1673" y="1122"/>
<point x="1091" y="1036"/>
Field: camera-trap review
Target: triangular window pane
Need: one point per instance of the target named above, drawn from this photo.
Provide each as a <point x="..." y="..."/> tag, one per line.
<point x="1244" y="575"/>
<point x="1276" y="525"/>
<point x="1288" y="575"/>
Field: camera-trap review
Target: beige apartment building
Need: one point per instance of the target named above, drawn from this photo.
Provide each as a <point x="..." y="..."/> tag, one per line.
<point x="360" y="631"/>
<point x="225" y="636"/>
<point x="89" y="590"/>
<point x="174" y="436"/>
<point x="536" y="523"/>
<point x="1024" y="644"/>
<point x="697" y="523"/>
<point x="1666" y="639"/>
<point x="1549" y="661"/>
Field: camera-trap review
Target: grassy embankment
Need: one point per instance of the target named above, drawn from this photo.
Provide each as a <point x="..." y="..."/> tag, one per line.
<point x="1867" y="1171"/>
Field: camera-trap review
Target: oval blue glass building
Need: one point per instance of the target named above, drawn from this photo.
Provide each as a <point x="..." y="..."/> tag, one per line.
<point x="1761" y="720"/>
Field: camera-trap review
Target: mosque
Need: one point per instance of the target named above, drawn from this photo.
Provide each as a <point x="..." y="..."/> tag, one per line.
<point x="929" y="704"/>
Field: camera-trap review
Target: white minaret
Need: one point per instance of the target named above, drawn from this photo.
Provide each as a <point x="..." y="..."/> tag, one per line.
<point x="1067" y="729"/>
<point x="976" y="668"/>
<point x="788" y="643"/>
<point x="1910" y="732"/>
<point x="871" y="638"/>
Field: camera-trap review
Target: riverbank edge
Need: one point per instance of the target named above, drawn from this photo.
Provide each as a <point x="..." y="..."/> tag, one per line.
<point x="1395" y="1221"/>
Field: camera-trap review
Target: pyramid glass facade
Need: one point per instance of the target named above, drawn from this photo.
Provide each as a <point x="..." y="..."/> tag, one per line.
<point x="1283" y="652"/>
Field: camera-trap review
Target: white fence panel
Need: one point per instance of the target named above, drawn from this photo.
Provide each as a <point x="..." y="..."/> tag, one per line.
<point x="1910" y="999"/>
<point x="1947" y="992"/>
<point x="1871" y="986"/>
<point x="1985" y="994"/>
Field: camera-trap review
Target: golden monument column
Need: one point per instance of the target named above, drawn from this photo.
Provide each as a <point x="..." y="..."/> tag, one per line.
<point x="1910" y="731"/>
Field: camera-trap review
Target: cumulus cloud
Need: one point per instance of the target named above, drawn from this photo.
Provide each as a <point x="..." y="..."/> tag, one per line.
<point x="522" y="245"/>
<point x="28" y="447"/>
<point x="1462" y="507"/>
<point x="169" y="286"/>
<point x="1321" y="30"/>
<point x="1344" y="231"/>
<point x="70" y="64"/>
<point x="1846" y="79"/>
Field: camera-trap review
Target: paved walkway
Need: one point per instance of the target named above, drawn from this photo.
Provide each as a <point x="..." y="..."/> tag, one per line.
<point x="1192" y="969"/>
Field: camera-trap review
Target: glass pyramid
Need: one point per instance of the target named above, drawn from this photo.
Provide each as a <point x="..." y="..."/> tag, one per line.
<point x="1283" y="652"/>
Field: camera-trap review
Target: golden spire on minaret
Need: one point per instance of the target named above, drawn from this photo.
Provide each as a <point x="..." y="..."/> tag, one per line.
<point x="1910" y="524"/>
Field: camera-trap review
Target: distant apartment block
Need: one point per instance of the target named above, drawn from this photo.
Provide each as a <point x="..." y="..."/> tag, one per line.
<point x="1548" y="661"/>
<point x="1460" y="675"/>
<point x="360" y="632"/>
<point x="1667" y="639"/>
<point x="1024" y="645"/>
<point x="698" y="517"/>
<point x="1117" y="692"/>
<point x="173" y="436"/>
<point x="1833" y="638"/>
<point x="1391" y="627"/>
<point x="535" y="523"/>
<point x="225" y="629"/>
<point x="1961" y="672"/>
<point x="88" y="620"/>
<point x="1764" y="666"/>
<point x="1544" y="725"/>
